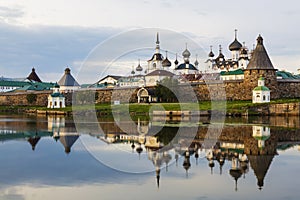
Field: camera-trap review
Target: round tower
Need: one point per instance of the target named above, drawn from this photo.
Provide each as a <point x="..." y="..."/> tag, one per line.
<point x="260" y="65"/>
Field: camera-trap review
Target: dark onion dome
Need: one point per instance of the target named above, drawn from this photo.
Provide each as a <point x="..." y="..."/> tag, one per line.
<point x="260" y="58"/>
<point x="221" y="58"/>
<point x="196" y="63"/>
<point x="235" y="45"/>
<point x="211" y="54"/>
<point x="244" y="51"/>
<point x="139" y="149"/>
<point x="166" y="63"/>
<point x="156" y="56"/>
<point x="176" y="61"/>
<point x="139" y="68"/>
<point x="236" y="174"/>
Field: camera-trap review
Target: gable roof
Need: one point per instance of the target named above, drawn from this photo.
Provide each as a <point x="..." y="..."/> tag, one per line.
<point x="67" y="79"/>
<point x="260" y="58"/>
<point x="112" y="76"/>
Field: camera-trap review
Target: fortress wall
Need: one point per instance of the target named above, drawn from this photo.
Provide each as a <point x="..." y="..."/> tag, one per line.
<point x="289" y="89"/>
<point x="20" y="98"/>
<point x="216" y="90"/>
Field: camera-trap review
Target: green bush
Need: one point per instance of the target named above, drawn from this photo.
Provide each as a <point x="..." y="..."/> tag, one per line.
<point x="31" y="98"/>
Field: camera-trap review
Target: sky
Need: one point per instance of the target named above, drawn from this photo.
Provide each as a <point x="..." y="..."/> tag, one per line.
<point x="53" y="35"/>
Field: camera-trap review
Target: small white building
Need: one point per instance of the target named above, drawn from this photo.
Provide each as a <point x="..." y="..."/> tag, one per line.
<point x="261" y="94"/>
<point x="56" y="99"/>
<point x="261" y="134"/>
<point x="132" y="81"/>
<point x="155" y="76"/>
<point x="108" y="81"/>
<point x="232" y="75"/>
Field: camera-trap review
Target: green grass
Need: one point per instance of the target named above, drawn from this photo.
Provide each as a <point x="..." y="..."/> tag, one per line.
<point x="141" y="109"/>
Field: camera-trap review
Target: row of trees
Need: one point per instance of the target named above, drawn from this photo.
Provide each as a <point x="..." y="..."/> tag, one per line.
<point x="166" y="89"/>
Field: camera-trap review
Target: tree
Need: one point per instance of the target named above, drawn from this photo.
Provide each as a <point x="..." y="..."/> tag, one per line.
<point x="31" y="98"/>
<point x="165" y="90"/>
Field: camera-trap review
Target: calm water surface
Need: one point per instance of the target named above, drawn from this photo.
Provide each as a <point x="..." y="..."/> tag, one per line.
<point x="247" y="158"/>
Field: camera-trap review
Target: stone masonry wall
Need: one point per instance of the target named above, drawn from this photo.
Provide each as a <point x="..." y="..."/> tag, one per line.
<point x="216" y="90"/>
<point x="9" y="99"/>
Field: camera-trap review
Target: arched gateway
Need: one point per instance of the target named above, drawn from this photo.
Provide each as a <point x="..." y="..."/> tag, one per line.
<point x="145" y="95"/>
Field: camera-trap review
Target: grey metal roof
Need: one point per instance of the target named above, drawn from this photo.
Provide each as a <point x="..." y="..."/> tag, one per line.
<point x="67" y="79"/>
<point x="260" y="58"/>
<point x="160" y="72"/>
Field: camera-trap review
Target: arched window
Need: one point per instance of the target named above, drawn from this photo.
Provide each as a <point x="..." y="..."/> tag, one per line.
<point x="264" y="98"/>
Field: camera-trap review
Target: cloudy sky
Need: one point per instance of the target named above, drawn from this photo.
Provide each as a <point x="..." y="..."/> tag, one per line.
<point x="51" y="35"/>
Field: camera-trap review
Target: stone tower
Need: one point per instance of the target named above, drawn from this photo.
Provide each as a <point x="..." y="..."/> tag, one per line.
<point x="260" y="65"/>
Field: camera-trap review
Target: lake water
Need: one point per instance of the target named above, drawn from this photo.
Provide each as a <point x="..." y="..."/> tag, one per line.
<point x="242" y="158"/>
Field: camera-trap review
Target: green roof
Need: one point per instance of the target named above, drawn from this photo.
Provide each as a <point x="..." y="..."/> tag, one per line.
<point x="37" y="86"/>
<point x="235" y="72"/>
<point x="13" y="83"/>
<point x="261" y="78"/>
<point x="287" y="75"/>
<point x="264" y="137"/>
<point x="261" y="88"/>
<point x="57" y="94"/>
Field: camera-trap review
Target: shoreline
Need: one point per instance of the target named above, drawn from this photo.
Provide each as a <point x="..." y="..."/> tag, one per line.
<point x="235" y="109"/>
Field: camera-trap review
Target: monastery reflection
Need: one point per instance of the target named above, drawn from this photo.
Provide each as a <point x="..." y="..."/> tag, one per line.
<point x="67" y="135"/>
<point x="33" y="130"/>
<point x="242" y="147"/>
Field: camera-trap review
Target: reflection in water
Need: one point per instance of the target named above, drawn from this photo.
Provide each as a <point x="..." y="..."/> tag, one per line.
<point x="240" y="148"/>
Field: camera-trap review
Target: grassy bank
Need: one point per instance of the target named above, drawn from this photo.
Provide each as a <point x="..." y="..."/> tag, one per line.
<point x="142" y="109"/>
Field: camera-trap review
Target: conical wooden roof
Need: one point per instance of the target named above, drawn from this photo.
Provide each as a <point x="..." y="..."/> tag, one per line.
<point x="260" y="165"/>
<point x="260" y="58"/>
<point x="33" y="76"/>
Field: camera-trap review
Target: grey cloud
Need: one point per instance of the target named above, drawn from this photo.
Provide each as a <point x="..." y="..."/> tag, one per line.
<point x="47" y="48"/>
<point x="6" y="12"/>
<point x="12" y="197"/>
